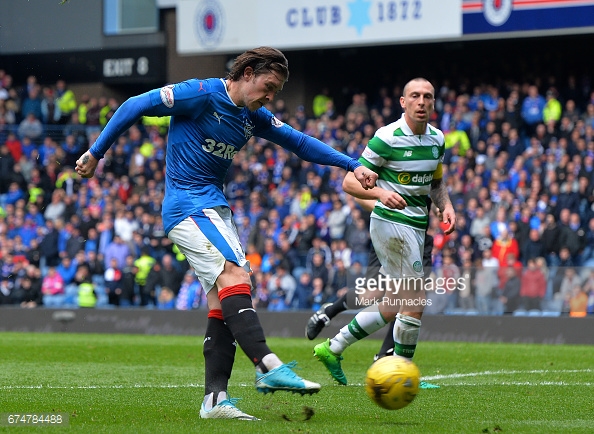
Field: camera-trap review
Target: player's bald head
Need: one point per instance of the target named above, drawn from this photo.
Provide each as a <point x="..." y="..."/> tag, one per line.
<point x="417" y="80"/>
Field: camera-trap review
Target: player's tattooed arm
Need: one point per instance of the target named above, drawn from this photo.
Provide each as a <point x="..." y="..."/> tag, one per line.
<point x="439" y="194"/>
<point x="441" y="199"/>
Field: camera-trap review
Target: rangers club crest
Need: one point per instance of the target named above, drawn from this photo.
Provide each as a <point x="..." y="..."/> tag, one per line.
<point x="248" y="128"/>
<point x="209" y="23"/>
<point x="497" y="12"/>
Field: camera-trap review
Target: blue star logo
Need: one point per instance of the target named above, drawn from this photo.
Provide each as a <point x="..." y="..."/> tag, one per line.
<point x="359" y="14"/>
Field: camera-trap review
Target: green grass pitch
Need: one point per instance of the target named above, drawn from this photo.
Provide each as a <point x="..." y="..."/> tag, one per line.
<point x="154" y="384"/>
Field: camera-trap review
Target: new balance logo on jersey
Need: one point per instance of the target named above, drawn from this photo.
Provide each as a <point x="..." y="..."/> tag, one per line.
<point x="408" y="153"/>
<point x="219" y="117"/>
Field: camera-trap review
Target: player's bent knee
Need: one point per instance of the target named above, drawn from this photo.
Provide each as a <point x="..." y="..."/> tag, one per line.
<point x="233" y="275"/>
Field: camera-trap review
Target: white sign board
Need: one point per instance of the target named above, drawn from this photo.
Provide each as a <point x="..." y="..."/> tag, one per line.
<point x="229" y="26"/>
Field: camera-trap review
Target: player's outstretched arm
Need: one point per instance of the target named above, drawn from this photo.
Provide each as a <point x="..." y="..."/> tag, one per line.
<point x="124" y="117"/>
<point x="311" y="149"/>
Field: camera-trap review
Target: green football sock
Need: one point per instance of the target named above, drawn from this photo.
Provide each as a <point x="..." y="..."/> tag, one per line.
<point x="366" y="322"/>
<point x="406" y="335"/>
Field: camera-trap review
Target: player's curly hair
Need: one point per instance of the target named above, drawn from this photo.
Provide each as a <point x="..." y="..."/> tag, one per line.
<point x="262" y="60"/>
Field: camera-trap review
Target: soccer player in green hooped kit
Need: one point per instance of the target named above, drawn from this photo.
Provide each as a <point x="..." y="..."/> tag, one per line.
<point x="407" y="155"/>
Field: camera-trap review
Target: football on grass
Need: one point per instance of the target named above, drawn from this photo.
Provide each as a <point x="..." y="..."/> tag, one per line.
<point x="392" y="382"/>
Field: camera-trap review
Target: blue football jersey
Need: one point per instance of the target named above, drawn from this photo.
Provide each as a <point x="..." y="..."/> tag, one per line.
<point x="206" y="131"/>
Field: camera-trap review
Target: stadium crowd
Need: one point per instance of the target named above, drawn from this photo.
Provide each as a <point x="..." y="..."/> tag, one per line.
<point x="519" y="167"/>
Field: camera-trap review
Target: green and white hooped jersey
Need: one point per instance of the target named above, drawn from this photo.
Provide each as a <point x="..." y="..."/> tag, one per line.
<point x="407" y="164"/>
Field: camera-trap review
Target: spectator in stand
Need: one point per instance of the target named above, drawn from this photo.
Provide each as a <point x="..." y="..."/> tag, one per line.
<point x="48" y="246"/>
<point x="71" y="150"/>
<point x="67" y="270"/>
<point x="171" y="274"/>
<point x="358" y="240"/>
<point x="288" y="255"/>
<point x="270" y="258"/>
<point x="52" y="288"/>
<point x="570" y="279"/>
<point x="144" y="264"/>
<point x="552" y="110"/>
<point x="533" y="248"/>
<point x="254" y="257"/>
<point x="93" y="114"/>
<point x="6" y="291"/>
<point x="83" y="108"/>
<point x="550" y="237"/>
<point x="337" y="220"/>
<point x="485" y="287"/>
<point x="32" y="103"/>
<point x="282" y="287"/>
<point x="66" y="101"/>
<point x="261" y="297"/>
<point x="56" y="209"/>
<point x="27" y="292"/>
<point x="190" y="295"/>
<point x="117" y="249"/>
<point x="339" y="281"/>
<point x="533" y="286"/>
<point x="31" y="127"/>
<point x="340" y="250"/>
<point x="358" y="107"/>
<point x="14" y="145"/>
<point x="113" y="278"/>
<point x="128" y="283"/>
<point x="125" y="224"/>
<point x="578" y="303"/>
<point x="319" y="246"/>
<point x="87" y="295"/>
<point x="321" y="102"/>
<point x="13" y="195"/>
<point x="319" y="269"/>
<point x="303" y="291"/>
<point x="50" y="111"/>
<point x="500" y="223"/>
<point x="509" y="296"/>
<point x="565" y="259"/>
<point x="532" y="110"/>
<point x="166" y="299"/>
<point x="318" y="294"/>
<point x="505" y="245"/>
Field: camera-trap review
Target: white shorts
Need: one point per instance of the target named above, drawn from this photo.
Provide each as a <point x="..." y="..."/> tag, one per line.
<point x="399" y="248"/>
<point x="208" y="240"/>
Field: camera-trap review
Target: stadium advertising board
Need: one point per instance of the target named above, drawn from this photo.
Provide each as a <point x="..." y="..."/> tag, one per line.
<point x="537" y="16"/>
<point x="217" y="26"/>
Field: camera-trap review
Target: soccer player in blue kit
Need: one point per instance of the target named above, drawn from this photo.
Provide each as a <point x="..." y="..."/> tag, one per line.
<point x="211" y="120"/>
